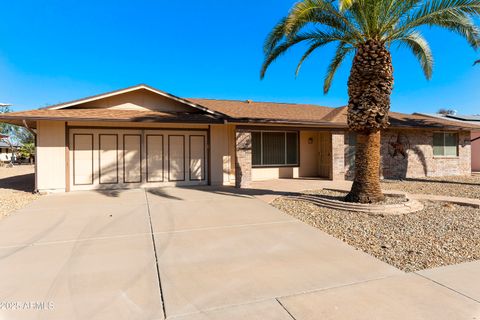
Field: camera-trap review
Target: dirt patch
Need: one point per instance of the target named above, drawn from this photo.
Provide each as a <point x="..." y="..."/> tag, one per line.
<point x="441" y="234"/>
<point x="16" y="188"/>
<point x="466" y="187"/>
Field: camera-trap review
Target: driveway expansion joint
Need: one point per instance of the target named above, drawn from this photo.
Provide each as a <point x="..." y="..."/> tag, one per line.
<point x="447" y="287"/>
<point x="285" y="308"/>
<point x="156" y="256"/>
<point x="49" y="243"/>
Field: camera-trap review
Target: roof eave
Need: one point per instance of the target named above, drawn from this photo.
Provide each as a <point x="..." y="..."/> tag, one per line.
<point x="134" y="119"/>
<point x="130" y="89"/>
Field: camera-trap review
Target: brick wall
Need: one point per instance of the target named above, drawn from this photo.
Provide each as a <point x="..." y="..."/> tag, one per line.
<point x="338" y="156"/>
<point x="409" y="154"/>
<point x="243" y="159"/>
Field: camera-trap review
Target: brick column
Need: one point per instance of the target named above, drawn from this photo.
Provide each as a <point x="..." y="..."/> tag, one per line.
<point x="338" y="155"/>
<point x="243" y="159"/>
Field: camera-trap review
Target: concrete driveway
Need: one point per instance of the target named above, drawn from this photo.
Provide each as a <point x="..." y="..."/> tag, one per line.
<point x="195" y="254"/>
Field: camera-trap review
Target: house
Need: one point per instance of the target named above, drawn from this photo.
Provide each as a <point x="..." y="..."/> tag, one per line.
<point x="6" y="150"/>
<point x="475" y="133"/>
<point x="144" y="137"/>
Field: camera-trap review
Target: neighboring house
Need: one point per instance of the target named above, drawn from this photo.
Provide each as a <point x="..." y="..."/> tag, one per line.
<point x="141" y="136"/>
<point x="6" y="151"/>
<point x="475" y="133"/>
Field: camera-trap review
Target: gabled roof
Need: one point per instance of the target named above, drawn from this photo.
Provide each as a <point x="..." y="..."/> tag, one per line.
<point x="68" y="104"/>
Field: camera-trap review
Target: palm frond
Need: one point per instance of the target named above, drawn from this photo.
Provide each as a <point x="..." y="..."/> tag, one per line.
<point x="421" y="50"/>
<point x="321" y="12"/>
<point x="315" y="45"/>
<point x="341" y="53"/>
<point x="278" y="50"/>
<point x="316" y="35"/>
<point x="346" y="4"/>
<point x="455" y="15"/>
<point x="275" y="36"/>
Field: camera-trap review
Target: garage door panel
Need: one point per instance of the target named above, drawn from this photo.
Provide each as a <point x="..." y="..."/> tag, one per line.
<point x="83" y="159"/>
<point x="176" y="158"/>
<point x="108" y="158"/>
<point x="132" y="158"/>
<point x="155" y="158"/>
<point x="197" y="157"/>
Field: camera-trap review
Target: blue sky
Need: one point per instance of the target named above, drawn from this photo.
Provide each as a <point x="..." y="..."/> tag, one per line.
<point x="54" y="51"/>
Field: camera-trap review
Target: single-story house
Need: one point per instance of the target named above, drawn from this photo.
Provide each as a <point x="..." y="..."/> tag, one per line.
<point x="6" y="149"/>
<point x="144" y="137"/>
<point x="475" y="133"/>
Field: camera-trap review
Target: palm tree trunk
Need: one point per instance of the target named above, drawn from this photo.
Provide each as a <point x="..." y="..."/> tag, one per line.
<point x="369" y="89"/>
<point x="366" y="185"/>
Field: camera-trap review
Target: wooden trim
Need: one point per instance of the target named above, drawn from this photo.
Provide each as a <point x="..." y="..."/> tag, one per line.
<point x="137" y="128"/>
<point x="100" y="157"/>
<point x="190" y="158"/>
<point x="241" y="127"/>
<point x="163" y="157"/>
<point x="209" y="156"/>
<point x="74" y="149"/>
<point x="67" y="159"/>
<point x="140" y="152"/>
<point x="183" y="137"/>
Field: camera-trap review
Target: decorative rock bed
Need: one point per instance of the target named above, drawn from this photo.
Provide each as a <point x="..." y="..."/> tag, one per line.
<point x="396" y="203"/>
<point x="441" y="234"/>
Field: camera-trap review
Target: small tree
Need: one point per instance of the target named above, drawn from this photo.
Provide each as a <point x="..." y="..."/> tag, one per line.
<point x="27" y="151"/>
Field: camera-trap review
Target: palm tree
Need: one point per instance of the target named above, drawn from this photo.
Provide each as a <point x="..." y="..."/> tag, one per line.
<point x="367" y="29"/>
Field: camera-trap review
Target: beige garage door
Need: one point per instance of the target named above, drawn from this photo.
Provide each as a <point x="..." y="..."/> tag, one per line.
<point x="119" y="158"/>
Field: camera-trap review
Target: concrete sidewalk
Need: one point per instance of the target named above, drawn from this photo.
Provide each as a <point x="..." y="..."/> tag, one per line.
<point x="203" y="253"/>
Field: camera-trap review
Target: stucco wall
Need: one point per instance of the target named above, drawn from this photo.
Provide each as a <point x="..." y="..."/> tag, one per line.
<point x="222" y="154"/>
<point x="476" y="152"/>
<point x="409" y="154"/>
<point x="259" y="174"/>
<point x="51" y="156"/>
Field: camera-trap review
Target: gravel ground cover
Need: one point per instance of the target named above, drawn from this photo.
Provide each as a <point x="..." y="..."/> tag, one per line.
<point x="340" y="196"/>
<point x="441" y="234"/>
<point x="16" y="188"/>
<point x="466" y="187"/>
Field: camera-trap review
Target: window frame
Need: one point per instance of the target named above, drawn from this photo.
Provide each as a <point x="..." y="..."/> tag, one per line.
<point x="444" y="155"/>
<point x="297" y="164"/>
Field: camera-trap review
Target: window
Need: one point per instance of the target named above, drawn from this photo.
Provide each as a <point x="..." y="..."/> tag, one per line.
<point x="274" y="148"/>
<point x="445" y="144"/>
